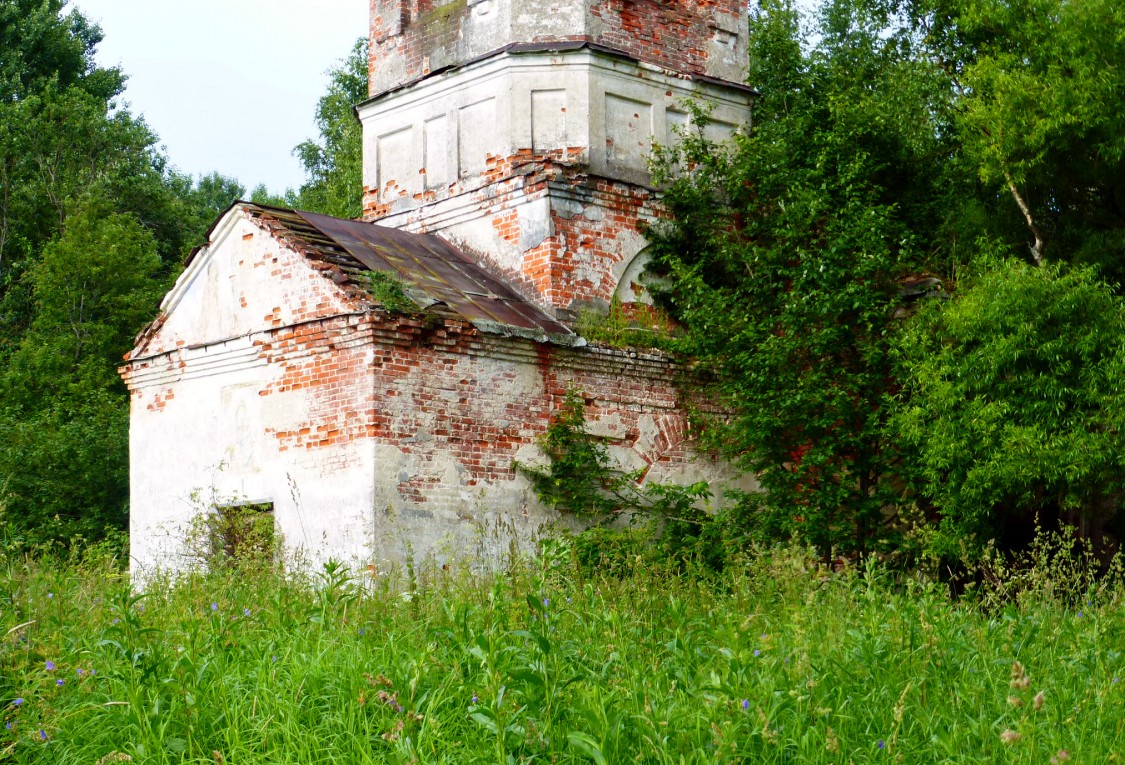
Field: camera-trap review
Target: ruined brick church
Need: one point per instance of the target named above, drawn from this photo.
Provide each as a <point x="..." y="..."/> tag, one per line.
<point x="505" y="189"/>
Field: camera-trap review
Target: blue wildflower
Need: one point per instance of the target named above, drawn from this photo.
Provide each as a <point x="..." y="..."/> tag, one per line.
<point x="757" y="652"/>
<point x="746" y="703"/>
<point x="881" y="744"/>
<point x="8" y="725"/>
<point x="546" y="602"/>
<point x="42" y="734"/>
<point x="17" y="702"/>
<point x="246" y="612"/>
<point x="475" y="698"/>
<point x="50" y="594"/>
<point x="50" y="666"/>
<point x="60" y="682"/>
<point x="214" y="606"/>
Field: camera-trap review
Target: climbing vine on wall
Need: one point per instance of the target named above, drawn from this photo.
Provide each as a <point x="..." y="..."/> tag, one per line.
<point x="580" y="478"/>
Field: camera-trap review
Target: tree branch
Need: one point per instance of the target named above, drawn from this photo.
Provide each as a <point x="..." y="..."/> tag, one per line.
<point x="1037" y="247"/>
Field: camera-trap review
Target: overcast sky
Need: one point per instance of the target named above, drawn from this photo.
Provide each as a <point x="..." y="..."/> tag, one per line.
<point x="228" y="85"/>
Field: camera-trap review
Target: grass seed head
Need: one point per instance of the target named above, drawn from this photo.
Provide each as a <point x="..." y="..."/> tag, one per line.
<point x="1010" y="736"/>
<point x="1061" y="757"/>
<point x="1037" y="702"/>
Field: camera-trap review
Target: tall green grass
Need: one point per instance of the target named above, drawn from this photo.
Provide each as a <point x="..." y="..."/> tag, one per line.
<point x="774" y="661"/>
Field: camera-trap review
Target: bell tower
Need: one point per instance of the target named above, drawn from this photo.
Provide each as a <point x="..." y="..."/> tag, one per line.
<point x="520" y="129"/>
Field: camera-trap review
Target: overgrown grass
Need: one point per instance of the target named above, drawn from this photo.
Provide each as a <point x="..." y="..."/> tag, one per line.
<point x="776" y="661"/>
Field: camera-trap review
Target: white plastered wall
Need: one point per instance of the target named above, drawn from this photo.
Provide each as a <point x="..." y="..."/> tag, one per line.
<point x="201" y="430"/>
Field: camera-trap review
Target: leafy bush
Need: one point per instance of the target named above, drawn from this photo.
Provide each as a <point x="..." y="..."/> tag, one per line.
<point x="1012" y="405"/>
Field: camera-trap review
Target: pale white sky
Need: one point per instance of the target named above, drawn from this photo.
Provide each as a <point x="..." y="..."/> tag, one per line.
<point x="228" y="85"/>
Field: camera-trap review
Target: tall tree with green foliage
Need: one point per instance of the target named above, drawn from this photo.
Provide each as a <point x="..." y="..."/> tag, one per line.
<point x="1040" y="86"/>
<point x="1009" y="412"/>
<point x="334" y="164"/>
<point x="64" y="423"/>
<point x="93" y="224"/>
<point x="786" y="255"/>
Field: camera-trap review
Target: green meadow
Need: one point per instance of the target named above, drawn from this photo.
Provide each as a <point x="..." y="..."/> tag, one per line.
<point x="775" y="660"/>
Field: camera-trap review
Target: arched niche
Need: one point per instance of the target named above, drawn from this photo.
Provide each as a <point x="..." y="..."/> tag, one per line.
<point x="634" y="285"/>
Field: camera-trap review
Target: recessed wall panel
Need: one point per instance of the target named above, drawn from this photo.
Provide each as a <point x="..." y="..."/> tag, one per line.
<point x="717" y="131"/>
<point x="548" y="120"/>
<point x="395" y="158"/>
<point x="628" y="131"/>
<point x="437" y="154"/>
<point x="476" y="130"/>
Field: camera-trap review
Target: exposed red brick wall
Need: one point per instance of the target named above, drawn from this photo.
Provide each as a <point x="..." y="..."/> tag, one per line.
<point x="575" y="264"/>
<point x="673" y="34"/>
<point x="443" y="391"/>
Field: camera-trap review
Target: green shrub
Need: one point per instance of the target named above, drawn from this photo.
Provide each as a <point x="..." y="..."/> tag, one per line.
<point x="1012" y="405"/>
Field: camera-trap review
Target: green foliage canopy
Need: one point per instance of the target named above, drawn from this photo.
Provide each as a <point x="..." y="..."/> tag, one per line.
<point x="1013" y="403"/>
<point x="832" y="198"/>
<point x="93" y="224"/>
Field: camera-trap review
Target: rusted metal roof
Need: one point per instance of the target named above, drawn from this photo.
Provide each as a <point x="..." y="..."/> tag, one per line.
<point x="431" y="270"/>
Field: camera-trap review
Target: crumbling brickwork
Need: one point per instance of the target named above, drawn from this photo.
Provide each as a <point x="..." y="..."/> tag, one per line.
<point x="374" y="436"/>
<point x="413" y="38"/>
<point x="573" y="255"/>
<point x="535" y="157"/>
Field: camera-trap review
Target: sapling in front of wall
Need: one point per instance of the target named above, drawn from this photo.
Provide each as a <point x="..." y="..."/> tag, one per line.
<point x="579" y="479"/>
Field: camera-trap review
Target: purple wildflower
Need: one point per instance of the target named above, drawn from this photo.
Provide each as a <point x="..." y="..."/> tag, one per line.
<point x="115" y="621"/>
<point x="757" y="652"/>
<point x="546" y="602"/>
<point x="60" y="682"/>
<point x="214" y="606"/>
<point x="42" y="735"/>
<point x="881" y="744"/>
<point x="79" y="671"/>
<point x="17" y="702"/>
<point x="8" y="725"/>
<point x="50" y="594"/>
<point x="746" y="704"/>
<point x="50" y="666"/>
<point x="246" y="612"/>
<point x="475" y="698"/>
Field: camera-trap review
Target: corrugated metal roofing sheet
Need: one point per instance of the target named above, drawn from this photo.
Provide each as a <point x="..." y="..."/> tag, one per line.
<point x="431" y="270"/>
